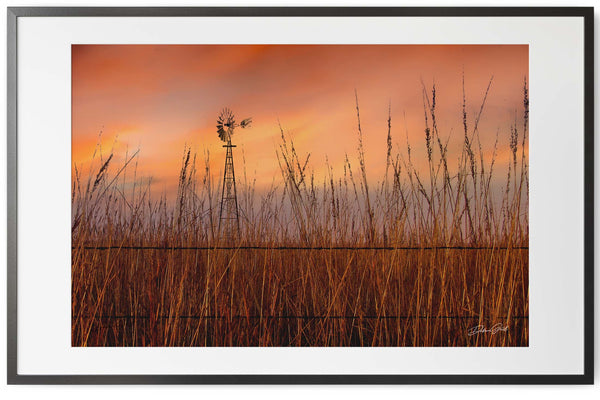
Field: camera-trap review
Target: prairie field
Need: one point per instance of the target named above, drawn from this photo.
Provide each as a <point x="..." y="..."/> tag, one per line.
<point x="433" y="253"/>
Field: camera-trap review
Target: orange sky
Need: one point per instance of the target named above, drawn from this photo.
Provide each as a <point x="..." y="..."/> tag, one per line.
<point x="159" y="98"/>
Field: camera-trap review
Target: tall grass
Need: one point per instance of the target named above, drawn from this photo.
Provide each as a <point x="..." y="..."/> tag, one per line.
<point x="415" y="259"/>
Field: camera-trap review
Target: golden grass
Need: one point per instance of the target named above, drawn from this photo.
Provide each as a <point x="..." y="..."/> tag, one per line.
<point x="416" y="259"/>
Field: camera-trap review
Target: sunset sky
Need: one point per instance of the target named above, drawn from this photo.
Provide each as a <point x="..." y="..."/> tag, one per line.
<point x="160" y="98"/>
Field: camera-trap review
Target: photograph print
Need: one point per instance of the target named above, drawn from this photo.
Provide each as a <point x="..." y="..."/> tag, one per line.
<point x="300" y="195"/>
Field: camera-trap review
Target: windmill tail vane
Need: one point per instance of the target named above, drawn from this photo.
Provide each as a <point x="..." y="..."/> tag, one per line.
<point x="229" y="223"/>
<point x="246" y="123"/>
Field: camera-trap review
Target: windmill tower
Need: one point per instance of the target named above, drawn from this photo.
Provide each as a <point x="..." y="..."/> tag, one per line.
<point x="229" y="222"/>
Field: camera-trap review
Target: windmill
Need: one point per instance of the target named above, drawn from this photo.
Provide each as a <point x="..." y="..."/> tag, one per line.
<point x="228" y="215"/>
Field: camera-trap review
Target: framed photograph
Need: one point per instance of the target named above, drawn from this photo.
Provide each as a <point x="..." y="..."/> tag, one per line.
<point x="300" y="195"/>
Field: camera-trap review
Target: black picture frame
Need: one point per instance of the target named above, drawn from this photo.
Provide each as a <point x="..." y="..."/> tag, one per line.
<point x="14" y="13"/>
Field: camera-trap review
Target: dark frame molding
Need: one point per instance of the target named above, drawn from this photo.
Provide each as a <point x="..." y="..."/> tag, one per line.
<point x="587" y="13"/>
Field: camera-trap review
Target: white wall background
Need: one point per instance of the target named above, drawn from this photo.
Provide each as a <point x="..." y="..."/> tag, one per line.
<point x="251" y="392"/>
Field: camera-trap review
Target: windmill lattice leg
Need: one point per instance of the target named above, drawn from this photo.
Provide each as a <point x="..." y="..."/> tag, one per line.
<point x="229" y="224"/>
